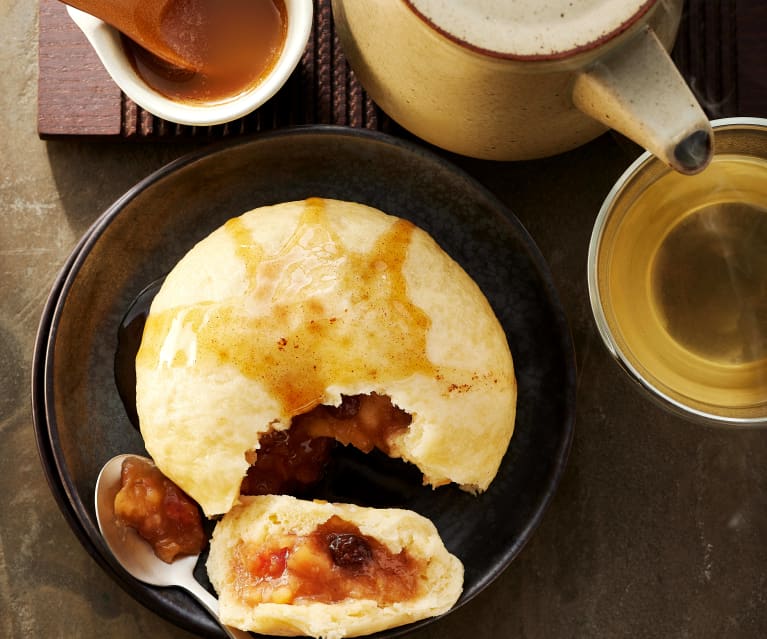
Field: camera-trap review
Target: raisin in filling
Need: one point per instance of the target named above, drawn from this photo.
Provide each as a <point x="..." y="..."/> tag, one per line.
<point x="332" y="563"/>
<point x="291" y="461"/>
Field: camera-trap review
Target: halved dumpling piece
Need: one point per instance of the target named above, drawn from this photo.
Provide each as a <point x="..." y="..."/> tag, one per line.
<point x="289" y="567"/>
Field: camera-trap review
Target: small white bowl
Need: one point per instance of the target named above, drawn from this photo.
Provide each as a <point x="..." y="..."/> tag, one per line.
<point x="107" y="44"/>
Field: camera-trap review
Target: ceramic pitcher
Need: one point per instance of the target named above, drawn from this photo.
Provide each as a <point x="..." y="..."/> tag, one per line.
<point x="522" y="79"/>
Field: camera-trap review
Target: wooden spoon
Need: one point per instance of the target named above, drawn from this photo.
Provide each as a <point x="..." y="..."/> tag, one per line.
<point x="141" y="21"/>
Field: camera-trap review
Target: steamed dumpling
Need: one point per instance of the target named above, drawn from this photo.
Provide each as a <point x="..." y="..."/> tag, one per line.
<point x="302" y="304"/>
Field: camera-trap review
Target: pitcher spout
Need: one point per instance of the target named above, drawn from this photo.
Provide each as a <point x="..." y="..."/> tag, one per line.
<point x="638" y="91"/>
<point x="694" y="152"/>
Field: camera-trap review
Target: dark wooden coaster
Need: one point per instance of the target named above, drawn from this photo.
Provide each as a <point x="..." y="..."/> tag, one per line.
<point x="721" y="50"/>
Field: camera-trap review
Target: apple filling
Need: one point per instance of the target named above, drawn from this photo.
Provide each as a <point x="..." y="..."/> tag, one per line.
<point x="159" y="510"/>
<point x="291" y="460"/>
<point x="332" y="563"/>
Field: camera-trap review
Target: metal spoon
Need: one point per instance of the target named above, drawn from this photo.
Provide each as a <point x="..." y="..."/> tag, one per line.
<point x="140" y="21"/>
<point x="136" y="555"/>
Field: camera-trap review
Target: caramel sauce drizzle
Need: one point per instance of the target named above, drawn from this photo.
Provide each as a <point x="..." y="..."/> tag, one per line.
<point x="317" y="314"/>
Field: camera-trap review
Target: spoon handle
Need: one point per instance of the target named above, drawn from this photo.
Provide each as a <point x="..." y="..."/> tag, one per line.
<point x="141" y="21"/>
<point x="210" y="603"/>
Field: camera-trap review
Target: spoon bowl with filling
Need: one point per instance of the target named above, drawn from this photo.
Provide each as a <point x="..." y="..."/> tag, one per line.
<point x="136" y="556"/>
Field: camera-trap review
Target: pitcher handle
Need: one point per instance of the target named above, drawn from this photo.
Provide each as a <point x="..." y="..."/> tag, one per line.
<point x="637" y="90"/>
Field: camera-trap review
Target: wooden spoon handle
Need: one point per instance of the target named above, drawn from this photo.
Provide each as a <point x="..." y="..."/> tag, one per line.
<point x="140" y="20"/>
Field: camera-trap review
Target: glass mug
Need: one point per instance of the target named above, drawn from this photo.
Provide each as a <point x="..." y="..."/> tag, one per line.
<point x="677" y="274"/>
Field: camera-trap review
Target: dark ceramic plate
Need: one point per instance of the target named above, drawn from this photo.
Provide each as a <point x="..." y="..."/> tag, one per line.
<point x="81" y="422"/>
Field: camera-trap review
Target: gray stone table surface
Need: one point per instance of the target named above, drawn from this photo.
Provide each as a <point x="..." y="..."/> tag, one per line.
<point x="659" y="527"/>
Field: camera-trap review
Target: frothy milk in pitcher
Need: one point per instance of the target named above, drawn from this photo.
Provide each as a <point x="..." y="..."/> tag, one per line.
<point x="531" y="28"/>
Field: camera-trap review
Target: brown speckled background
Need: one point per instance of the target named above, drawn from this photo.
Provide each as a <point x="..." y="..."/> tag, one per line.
<point x="658" y="528"/>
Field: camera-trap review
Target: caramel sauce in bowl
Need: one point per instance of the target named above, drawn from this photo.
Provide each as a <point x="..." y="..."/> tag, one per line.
<point x="233" y="44"/>
<point x="246" y="51"/>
